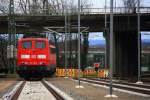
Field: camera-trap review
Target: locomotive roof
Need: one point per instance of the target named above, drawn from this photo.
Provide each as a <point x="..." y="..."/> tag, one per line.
<point x="45" y="39"/>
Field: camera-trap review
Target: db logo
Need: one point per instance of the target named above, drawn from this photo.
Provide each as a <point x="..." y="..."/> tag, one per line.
<point x="33" y="56"/>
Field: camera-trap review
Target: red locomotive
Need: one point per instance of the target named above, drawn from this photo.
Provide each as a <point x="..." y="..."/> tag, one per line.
<point x="36" y="57"/>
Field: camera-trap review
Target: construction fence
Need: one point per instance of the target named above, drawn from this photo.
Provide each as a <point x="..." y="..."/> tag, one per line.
<point x="101" y="73"/>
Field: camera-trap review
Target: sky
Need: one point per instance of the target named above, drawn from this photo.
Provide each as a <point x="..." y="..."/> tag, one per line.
<point x="145" y="37"/>
<point x="96" y="38"/>
<point x="118" y="3"/>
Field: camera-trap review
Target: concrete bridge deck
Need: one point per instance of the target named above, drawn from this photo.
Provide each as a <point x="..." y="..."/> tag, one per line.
<point x="95" y="22"/>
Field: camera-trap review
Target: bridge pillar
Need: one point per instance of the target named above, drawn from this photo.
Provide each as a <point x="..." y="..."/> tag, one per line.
<point x="126" y="58"/>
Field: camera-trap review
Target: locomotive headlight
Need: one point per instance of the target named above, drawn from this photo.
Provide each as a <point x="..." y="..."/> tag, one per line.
<point x="25" y="56"/>
<point x="41" y="56"/>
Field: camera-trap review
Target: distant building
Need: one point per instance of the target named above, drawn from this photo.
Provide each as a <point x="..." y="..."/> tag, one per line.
<point x="96" y="53"/>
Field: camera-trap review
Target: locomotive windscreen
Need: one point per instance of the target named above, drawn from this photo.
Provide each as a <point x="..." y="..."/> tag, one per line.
<point x="26" y="44"/>
<point x="40" y="44"/>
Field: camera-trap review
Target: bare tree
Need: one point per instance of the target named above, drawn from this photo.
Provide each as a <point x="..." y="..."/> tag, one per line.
<point x="4" y="5"/>
<point x="130" y="5"/>
<point x="23" y="5"/>
<point x="43" y="6"/>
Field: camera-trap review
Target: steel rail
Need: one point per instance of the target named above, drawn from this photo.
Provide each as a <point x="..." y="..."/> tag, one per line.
<point x="124" y="83"/>
<point x="18" y="91"/>
<point x="53" y="92"/>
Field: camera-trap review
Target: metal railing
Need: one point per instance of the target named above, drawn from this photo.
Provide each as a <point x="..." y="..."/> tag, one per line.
<point x="86" y="11"/>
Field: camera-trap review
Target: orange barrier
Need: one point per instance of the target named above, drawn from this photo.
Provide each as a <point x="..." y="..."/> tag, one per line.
<point x="100" y="73"/>
<point x="76" y="73"/>
<point x="60" y="72"/>
<point x="103" y="73"/>
<point x="70" y="73"/>
<point x="63" y="72"/>
<point x="106" y="73"/>
<point x="56" y="71"/>
<point x="89" y="72"/>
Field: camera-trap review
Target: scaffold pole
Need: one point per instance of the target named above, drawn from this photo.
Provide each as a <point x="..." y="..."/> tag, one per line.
<point x="79" y="84"/>
<point x="139" y="43"/>
<point x="11" y="39"/>
<point x="66" y="54"/>
<point x="111" y="53"/>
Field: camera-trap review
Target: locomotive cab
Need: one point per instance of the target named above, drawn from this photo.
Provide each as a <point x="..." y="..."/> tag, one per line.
<point x="34" y="57"/>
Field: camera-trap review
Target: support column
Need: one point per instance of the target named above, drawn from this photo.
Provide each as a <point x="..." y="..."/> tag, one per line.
<point x="126" y="54"/>
<point x="11" y="37"/>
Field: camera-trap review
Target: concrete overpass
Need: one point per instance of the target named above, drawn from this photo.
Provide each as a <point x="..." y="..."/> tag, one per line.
<point x="125" y="34"/>
<point x="95" y="22"/>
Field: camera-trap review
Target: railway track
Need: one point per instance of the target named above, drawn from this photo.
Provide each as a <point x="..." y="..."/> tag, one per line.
<point x="34" y="90"/>
<point x="133" y="87"/>
<point x="54" y="93"/>
<point x="123" y="82"/>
